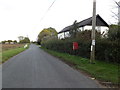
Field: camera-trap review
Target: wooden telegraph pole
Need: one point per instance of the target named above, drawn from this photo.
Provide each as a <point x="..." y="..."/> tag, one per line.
<point x="92" y="57"/>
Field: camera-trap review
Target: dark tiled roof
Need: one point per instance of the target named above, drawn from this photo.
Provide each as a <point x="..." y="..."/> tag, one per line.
<point x="99" y="22"/>
<point x="68" y="28"/>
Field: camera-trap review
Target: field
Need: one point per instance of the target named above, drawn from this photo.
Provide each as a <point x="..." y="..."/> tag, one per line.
<point x="10" y="50"/>
<point x="11" y="46"/>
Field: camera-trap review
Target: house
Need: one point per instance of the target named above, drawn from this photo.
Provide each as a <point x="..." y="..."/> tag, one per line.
<point x="12" y="43"/>
<point x="6" y="42"/>
<point x="101" y="26"/>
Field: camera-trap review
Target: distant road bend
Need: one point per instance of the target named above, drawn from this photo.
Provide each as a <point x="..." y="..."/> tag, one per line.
<point x="35" y="68"/>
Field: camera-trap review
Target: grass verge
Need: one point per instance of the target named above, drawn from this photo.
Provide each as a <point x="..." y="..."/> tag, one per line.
<point x="102" y="71"/>
<point x="12" y="52"/>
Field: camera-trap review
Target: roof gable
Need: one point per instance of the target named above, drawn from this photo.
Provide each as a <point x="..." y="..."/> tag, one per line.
<point x="99" y="22"/>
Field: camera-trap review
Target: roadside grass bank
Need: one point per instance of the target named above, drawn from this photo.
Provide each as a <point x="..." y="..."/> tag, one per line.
<point x="7" y="54"/>
<point x="105" y="73"/>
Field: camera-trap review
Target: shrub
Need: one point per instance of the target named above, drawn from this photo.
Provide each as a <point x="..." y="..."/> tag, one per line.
<point x="105" y="50"/>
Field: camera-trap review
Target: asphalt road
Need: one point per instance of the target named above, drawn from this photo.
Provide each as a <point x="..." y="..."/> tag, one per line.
<point x="34" y="68"/>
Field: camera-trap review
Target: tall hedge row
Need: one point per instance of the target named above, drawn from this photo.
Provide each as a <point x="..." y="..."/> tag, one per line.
<point x="105" y="50"/>
<point x="108" y="51"/>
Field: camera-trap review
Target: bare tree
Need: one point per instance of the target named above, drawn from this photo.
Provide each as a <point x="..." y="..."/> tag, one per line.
<point x="117" y="15"/>
<point x="118" y="12"/>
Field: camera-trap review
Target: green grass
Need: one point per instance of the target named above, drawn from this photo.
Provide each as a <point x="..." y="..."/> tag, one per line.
<point x="102" y="71"/>
<point x="10" y="53"/>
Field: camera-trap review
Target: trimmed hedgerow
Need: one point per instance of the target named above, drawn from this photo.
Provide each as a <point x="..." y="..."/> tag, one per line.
<point x="105" y="50"/>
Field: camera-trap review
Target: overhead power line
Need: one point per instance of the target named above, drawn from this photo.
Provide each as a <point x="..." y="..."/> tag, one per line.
<point x="47" y="10"/>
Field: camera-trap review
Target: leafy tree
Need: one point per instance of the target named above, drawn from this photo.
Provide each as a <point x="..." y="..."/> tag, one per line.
<point x="3" y="42"/>
<point x="73" y="31"/>
<point x="15" y="41"/>
<point x="20" y="38"/>
<point x="25" y="40"/>
<point x="9" y="41"/>
<point x="114" y="32"/>
<point x="46" y="34"/>
<point x="86" y="35"/>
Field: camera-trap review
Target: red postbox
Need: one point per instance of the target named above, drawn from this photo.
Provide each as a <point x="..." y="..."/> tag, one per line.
<point x="75" y="46"/>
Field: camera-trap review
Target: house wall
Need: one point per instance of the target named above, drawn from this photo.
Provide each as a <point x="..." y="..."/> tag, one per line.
<point x="63" y="35"/>
<point x="100" y="29"/>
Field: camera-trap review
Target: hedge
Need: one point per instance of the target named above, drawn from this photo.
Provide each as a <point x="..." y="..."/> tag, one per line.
<point x="105" y="50"/>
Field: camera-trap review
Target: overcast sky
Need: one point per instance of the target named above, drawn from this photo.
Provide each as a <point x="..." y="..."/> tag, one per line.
<point x="23" y="17"/>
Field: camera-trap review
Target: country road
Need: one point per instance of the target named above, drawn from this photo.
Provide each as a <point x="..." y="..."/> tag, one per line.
<point x="35" y="68"/>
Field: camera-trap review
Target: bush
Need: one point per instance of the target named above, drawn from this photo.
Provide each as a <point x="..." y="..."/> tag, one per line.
<point x="105" y="50"/>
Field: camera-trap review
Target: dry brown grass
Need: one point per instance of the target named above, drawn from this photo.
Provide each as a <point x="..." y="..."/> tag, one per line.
<point x="11" y="46"/>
